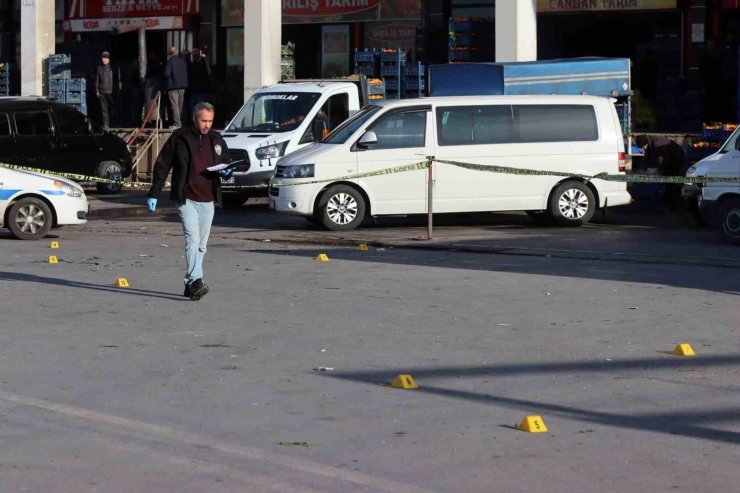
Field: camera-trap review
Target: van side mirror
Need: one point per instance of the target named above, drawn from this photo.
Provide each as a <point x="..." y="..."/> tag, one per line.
<point x="368" y="138"/>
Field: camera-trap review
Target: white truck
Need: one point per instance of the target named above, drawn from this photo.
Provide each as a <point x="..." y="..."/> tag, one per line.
<point x="280" y="119"/>
<point x="719" y="203"/>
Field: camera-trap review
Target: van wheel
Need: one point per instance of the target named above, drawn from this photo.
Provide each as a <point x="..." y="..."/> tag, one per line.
<point x="341" y="208"/>
<point x="727" y="222"/>
<point x="572" y="204"/>
<point x="29" y="219"/>
<point x="110" y="170"/>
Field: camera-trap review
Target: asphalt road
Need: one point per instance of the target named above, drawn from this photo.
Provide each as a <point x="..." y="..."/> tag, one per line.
<point x="106" y="389"/>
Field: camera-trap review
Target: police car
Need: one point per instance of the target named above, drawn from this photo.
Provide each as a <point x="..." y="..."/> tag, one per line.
<point x="32" y="203"/>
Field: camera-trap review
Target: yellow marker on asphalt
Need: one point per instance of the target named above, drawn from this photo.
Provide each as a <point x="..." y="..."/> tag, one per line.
<point x="404" y="381"/>
<point x="683" y="350"/>
<point x="54" y="244"/>
<point x="364" y="247"/>
<point x="532" y="424"/>
<point x="53" y="259"/>
<point x="122" y="282"/>
<point x="322" y="257"/>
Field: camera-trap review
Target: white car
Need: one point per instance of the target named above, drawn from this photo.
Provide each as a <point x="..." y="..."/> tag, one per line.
<point x="32" y="203"/>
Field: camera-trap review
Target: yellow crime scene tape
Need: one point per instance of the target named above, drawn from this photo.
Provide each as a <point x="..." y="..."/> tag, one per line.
<point x="489" y="168"/>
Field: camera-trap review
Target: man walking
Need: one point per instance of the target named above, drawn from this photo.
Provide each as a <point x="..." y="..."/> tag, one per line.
<point x="188" y="153"/>
<point x="107" y="85"/>
<point x="175" y="83"/>
<point x="670" y="159"/>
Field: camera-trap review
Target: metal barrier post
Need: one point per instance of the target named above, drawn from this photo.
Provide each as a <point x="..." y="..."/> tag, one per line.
<point x="430" y="197"/>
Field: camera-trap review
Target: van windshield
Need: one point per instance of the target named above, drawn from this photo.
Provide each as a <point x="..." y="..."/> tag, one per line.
<point x="731" y="144"/>
<point x="349" y="127"/>
<point x="274" y="112"/>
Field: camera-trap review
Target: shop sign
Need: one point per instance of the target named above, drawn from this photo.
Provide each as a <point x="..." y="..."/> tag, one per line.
<point x="330" y="11"/>
<point x="600" y="5"/>
<point x="394" y="33"/>
<point x="107" y="9"/>
<point x="327" y="7"/>
<point x="93" y="25"/>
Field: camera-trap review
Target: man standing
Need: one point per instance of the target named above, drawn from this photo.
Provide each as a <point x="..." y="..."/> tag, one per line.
<point x="175" y="83"/>
<point x="199" y="77"/>
<point x="107" y="85"/>
<point x="188" y="153"/>
<point x="670" y="159"/>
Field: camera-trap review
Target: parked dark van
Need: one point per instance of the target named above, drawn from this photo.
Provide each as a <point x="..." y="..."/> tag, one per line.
<point x="51" y="136"/>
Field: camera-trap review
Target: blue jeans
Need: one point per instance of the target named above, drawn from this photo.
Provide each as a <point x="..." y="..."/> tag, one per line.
<point x="196" y="218"/>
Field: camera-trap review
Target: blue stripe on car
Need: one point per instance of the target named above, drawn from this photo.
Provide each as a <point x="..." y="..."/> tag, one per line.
<point x="6" y="194"/>
<point x="52" y="192"/>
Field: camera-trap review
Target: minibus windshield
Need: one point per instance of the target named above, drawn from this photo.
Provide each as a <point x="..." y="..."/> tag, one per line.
<point x="346" y="129"/>
<point x="274" y="112"/>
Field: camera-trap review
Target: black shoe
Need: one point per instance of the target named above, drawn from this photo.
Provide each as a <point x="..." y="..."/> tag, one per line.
<point x="187" y="291"/>
<point x="197" y="290"/>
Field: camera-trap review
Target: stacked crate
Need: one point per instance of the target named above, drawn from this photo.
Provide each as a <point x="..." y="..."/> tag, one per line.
<point x="414" y="80"/>
<point x="366" y="63"/>
<point x="75" y="94"/>
<point x="471" y="39"/>
<point x="5" y="79"/>
<point x="391" y="70"/>
<point x="62" y="88"/>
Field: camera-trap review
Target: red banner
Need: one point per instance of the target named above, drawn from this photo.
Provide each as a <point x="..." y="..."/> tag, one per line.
<point x="324" y="8"/>
<point x="116" y="9"/>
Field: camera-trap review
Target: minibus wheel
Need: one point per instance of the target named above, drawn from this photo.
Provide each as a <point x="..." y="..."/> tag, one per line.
<point x="572" y="203"/>
<point x="341" y="208"/>
<point x="29" y="219"/>
<point x="728" y="220"/>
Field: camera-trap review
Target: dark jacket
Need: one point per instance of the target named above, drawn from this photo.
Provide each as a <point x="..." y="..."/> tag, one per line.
<point x="666" y="155"/>
<point x="199" y="77"/>
<point x="107" y="82"/>
<point x="175" y="73"/>
<point x="176" y="156"/>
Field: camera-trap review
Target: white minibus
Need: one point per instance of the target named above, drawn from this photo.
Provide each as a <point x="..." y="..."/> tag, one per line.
<point x="571" y="134"/>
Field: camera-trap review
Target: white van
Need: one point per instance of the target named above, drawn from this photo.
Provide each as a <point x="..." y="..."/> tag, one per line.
<point x="32" y="203"/>
<point x="572" y="134"/>
<point x="719" y="203"/>
<point x="281" y="119"/>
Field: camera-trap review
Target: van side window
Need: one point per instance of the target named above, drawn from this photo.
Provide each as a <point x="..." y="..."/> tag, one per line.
<point x="401" y="130"/>
<point x="337" y="109"/>
<point x="4" y="125"/>
<point x="33" y="123"/>
<point x="556" y="123"/>
<point x="506" y="124"/>
<point x="72" y="123"/>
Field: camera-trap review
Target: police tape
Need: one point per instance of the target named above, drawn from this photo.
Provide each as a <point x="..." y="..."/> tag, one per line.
<point x="76" y="177"/>
<point x="627" y="178"/>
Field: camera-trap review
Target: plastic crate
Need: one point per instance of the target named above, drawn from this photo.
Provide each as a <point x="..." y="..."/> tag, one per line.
<point x="365" y="56"/>
<point x="60" y="58"/>
<point x="391" y="85"/>
<point x="414" y="70"/>
<point x="413" y="85"/>
<point x="715" y="135"/>
<point x="56" y="85"/>
<point x="74" y="97"/>
<point x="81" y="107"/>
<point x="389" y="70"/>
<point x="373" y="89"/>
<point x="57" y="96"/>
<point x="393" y="56"/>
<point x="75" y="85"/>
<point x="60" y="72"/>
<point x="365" y="70"/>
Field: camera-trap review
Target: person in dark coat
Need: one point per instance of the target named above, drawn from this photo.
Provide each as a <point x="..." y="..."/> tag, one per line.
<point x="175" y="83"/>
<point x="107" y="87"/>
<point x="670" y="159"/>
<point x="189" y="153"/>
<point x="199" y="77"/>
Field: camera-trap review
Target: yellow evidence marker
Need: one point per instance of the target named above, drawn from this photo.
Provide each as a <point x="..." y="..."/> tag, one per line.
<point x="532" y="424"/>
<point x="364" y="247"/>
<point x="404" y="382"/>
<point x="54" y="244"/>
<point x="53" y="259"/>
<point x="683" y="350"/>
<point x="122" y="282"/>
<point x="322" y="257"/>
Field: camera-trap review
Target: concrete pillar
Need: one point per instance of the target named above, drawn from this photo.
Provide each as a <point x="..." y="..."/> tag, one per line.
<point x="262" y="36"/>
<point x="516" y="30"/>
<point x="37" y="43"/>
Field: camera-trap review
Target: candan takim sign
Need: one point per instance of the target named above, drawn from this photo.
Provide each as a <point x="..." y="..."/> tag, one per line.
<point x="392" y="33"/>
<point x="597" y="5"/>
